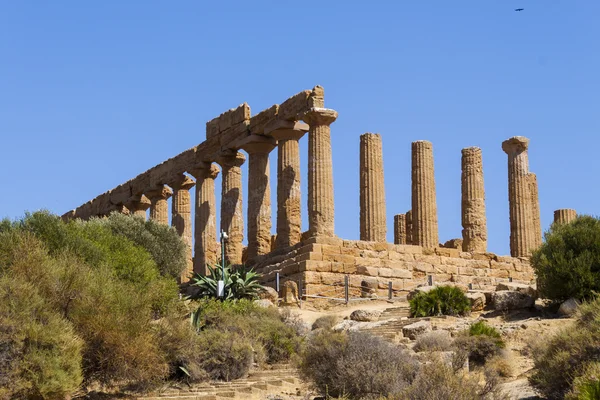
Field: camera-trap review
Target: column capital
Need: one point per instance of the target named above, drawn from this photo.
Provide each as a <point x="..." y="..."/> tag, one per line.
<point x="515" y="144"/>
<point x="231" y="158"/>
<point x="159" y="192"/>
<point x="205" y="170"/>
<point x="258" y="144"/>
<point x="319" y="116"/>
<point x="138" y="202"/>
<point x="286" y="130"/>
<point x="182" y="182"/>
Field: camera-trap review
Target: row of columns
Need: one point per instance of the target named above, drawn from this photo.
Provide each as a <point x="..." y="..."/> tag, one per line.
<point x="282" y="134"/>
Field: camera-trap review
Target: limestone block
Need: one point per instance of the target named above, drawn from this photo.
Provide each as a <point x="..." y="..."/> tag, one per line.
<point x="369" y="271"/>
<point x="342" y="258"/>
<point x="310" y="256"/>
<point x="447" y="252"/>
<point x="268" y="293"/>
<point x="416" y="329"/>
<point x="518" y="287"/>
<point x="311" y="248"/>
<point x="372" y="189"/>
<point x="477" y="299"/>
<point x="365" y="315"/>
<point x="369" y="288"/>
<point x="289" y="292"/>
<point x="368" y="262"/>
<point x="568" y="308"/>
<point x="511" y="300"/>
<point x="259" y="121"/>
<point x="393" y="255"/>
<point x="340" y="268"/>
<point x="289" y="109"/>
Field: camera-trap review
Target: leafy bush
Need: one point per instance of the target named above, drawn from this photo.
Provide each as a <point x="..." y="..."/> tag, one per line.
<point x="441" y="300"/>
<point x="568" y="263"/>
<point x="357" y="365"/>
<point x="587" y="386"/>
<point x="566" y="355"/>
<point x="264" y="328"/>
<point x="479" y="343"/>
<point x="40" y="354"/>
<point x="225" y="355"/>
<point x="433" y="341"/>
<point x="325" y="322"/>
<point x="240" y="283"/>
<point x="162" y="242"/>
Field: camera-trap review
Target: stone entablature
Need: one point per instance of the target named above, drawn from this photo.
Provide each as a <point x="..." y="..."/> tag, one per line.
<point x="321" y="262"/>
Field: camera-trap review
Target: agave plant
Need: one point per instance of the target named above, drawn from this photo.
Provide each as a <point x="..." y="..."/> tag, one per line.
<point x="239" y="283"/>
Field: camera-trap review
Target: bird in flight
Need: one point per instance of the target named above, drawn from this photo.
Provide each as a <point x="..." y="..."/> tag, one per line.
<point x="519" y="9"/>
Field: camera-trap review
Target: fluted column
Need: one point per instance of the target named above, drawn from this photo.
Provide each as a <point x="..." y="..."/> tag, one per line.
<point x="372" y="189"/>
<point x="181" y="218"/>
<point x="205" y="225"/>
<point x="424" y="206"/>
<point x="535" y="210"/>
<point x="409" y="226"/>
<point x="564" y="216"/>
<point x="320" y="171"/>
<point x="259" y="195"/>
<point x="400" y="229"/>
<point x="159" y="207"/>
<point x="138" y="205"/>
<point x="289" y="217"/>
<point x="473" y="201"/>
<point x="519" y="196"/>
<point x="232" y="219"/>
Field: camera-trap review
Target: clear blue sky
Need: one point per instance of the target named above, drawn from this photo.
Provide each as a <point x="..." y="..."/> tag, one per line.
<point x="92" y="94"/>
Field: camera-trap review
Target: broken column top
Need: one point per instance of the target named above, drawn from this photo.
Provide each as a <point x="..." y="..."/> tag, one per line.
<point x="515" y="143"/>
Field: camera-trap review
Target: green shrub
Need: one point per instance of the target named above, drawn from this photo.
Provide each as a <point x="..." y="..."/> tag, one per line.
<point x="479" y="343"/>
<point x="162" y="242"/>
<point x="566" y="355"/>
<point x="587" y="386"/>
<point x="225" y="355"/>
<point x="239" y="283"/>
<point x="441" y="300"/>
<point x="357" y="365"/>
<point x="263" y="327"/>
<point x="568" y="262"/>
<point x="40" y="354"/>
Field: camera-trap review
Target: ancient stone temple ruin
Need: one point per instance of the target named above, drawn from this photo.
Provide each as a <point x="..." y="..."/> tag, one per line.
<point x="317" y="258"/>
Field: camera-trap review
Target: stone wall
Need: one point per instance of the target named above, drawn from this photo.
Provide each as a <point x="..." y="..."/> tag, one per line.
<point x="322" y="262"/>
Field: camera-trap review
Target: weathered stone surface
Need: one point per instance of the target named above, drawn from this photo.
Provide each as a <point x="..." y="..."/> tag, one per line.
<point x="530" y="290"/>
<point x="535" y="210"/>
<point x="568" y="308"/>
<point x="477" y="300"/>
<point x="159" y="208"/>
<point x="522" y="231"/>
<point x="416" y="329"/>
<point x="365" y="315"/>
<point x="409" y="227"/>
<point x="424" y="206"/>
<point x="268" y="293"/>
<point x="564" y="216"/>
<point x="232" y="220"/>
<point x="320" y="171"/>
<point x="372" y="189"/>
<point x="181" y="218"/>
<point x="138" y="205"/>
<point x="400" y="229"/>
<point x="506" y="300"/>
<point x="264" y="303"/>
<point x="453" y="244"/>
<point x="205" y="225"/>
<point x="289" y="292"/>
<point x="473" y="201"/>
<point x="368" y="288"/>
<point x="259" y="195"/>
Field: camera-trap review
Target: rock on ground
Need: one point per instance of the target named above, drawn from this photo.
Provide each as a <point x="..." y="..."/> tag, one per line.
<point x="365" y="315"/>
<point x="412" y="331"/>
<point x="264" y="303"/>
<point x="568" y="308"/>
<point x="530" y="290"/>
<point x="268" y="293"/>
<point x="510" y="300"/>
<point x="477" y="300"/>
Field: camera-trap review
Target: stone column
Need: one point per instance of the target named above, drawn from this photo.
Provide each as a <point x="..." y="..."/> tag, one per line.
<point x="320" y="172"/>
<point x="232" y="219"/>
<point x="289" y="219"/>
<point x="181" y="218"/>
<point x="205" y="226"/>
<point x="564" y="216"/>
<point x="159" y="208"/>
<point x="409" y="226"/>
<point x="535" y="210"/>
<point x="473" y="202"/>
<point x="400" y="229"/>
<point x="519" y="197"/>
<point x="259" y="195"/>
<point x="424" y="206"/>
<point x="372" y="189"/>
<point x="138" y="205"/>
